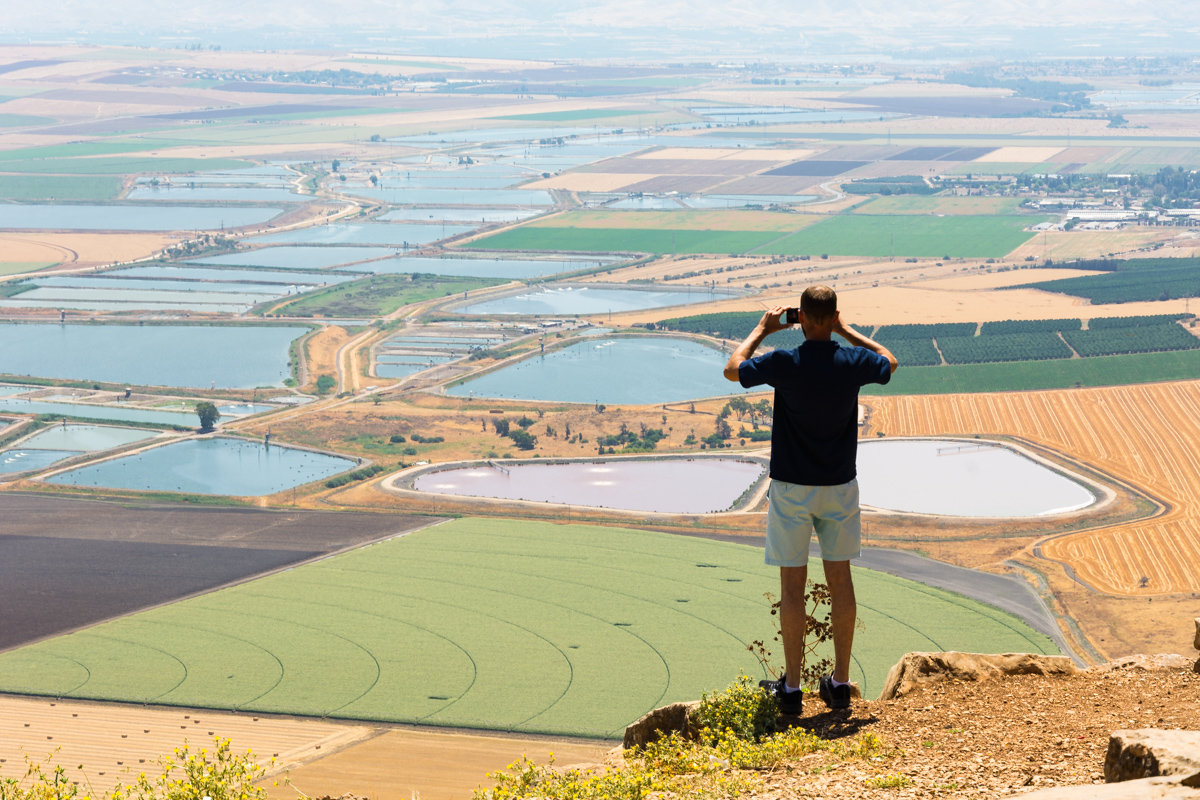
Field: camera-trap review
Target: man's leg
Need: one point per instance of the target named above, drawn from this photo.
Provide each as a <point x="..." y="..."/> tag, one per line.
<point x="793" y="620"/>
<point x="842" y="616"/>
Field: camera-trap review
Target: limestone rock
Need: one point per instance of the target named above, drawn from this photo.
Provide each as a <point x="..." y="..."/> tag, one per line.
<point x="1150" y="752"/>
<point x="1144" y="663"/>
<point x="653" y="724"/>
<point x="918" y="669"/>
<point x="1144" y="789"/>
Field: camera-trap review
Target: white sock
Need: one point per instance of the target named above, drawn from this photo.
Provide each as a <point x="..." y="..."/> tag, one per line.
<point x="787" y="688"/>
<point x="836" y="682"/>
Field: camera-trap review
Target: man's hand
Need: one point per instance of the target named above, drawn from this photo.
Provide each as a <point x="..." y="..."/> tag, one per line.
<point x="770" y="322"/>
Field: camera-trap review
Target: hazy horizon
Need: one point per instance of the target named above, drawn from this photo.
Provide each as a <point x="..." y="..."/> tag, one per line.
<point x="627" y="28"/>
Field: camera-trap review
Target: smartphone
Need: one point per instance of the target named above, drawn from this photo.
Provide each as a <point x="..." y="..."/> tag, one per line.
<point x="791" y="316"/>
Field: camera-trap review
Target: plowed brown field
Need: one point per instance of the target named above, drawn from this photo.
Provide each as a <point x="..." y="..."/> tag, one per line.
<point x="1145" y="435"/>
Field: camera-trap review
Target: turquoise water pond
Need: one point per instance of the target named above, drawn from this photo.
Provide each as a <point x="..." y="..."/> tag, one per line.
<point x="116" y="413"/>
<point x="552" y="300"/>
<point x="21" y="460"/>
<point x="478" y="216"/>
<point x="210" y="466"/>
<point x="264" y="277"/>
<point x="228" y="356"/>
<point x="243" y="409"/>
<point x="457" y="197"/>
<point x="85" y="438"/>
<point x="379" y="233"/>
<point x="298" y="257"/>
<point x="207" y="194"/>
<point x="637" y="370"/>
<point x="394" y="371"/>
<point x="482" y="267"/>
<point x="108" y="305"/>
<point x="130" y="218"/>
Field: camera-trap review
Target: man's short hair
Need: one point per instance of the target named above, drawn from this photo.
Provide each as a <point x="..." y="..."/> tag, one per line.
<point x="818" y="303"/>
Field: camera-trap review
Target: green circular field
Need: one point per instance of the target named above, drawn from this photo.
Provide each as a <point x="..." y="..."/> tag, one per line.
<point x="563" y="629"/>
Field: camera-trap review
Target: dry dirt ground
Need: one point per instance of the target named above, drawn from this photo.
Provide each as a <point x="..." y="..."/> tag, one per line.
<point x="314" y="758"/>
<point x="994" y="738"/>
<point x="71" y="250"/>
<point x="989" y="739"/>
<point x="70" y="562"/>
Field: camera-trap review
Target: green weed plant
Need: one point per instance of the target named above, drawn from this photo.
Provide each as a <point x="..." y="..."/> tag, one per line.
<point x="211" y="773"/>
<point x="738" y="742"/>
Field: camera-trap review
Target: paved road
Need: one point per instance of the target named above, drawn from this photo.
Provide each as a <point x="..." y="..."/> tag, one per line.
<point x="1007" y="592"/>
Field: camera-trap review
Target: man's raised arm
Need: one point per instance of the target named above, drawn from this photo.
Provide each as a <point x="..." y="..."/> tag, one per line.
<point x="766" y="326"/>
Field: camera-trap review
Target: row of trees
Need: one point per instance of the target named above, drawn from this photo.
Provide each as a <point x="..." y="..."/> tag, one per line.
<point x="1134" y="280"/>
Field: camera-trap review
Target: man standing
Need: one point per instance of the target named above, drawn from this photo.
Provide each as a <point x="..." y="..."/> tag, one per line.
<point x="814" y="441"/>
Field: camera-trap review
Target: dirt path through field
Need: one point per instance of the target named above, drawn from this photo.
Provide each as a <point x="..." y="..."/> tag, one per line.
<point x="114" y="742"/>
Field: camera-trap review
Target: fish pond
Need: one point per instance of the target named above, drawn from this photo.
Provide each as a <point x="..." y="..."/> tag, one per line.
<point x="214" y="465"/>
<point x="663" y="485"/>
<point x="517" y="268"/>
<point x="371" y="233"/>
<point x="54" y="444"/>
<point x="589" y="299"/>
<point x="130" y="217"/>
<point x="635" y="370"/>
<point x="298" y="257"/>
<point x="229" y="356"/>
<point x="964" y="478"/>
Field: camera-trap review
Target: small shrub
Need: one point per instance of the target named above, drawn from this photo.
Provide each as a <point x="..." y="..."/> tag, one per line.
<point x="742" y="709"/>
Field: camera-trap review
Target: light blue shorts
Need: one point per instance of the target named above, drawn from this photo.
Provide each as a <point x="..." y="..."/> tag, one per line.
<point x="795" y="511"/>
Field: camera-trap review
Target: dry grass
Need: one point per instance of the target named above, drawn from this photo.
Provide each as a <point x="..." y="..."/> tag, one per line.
<point x="320" y="353"/>
<point x="1068" y="245"/>
<point x="1144" y="435"/>
<point x="588" y="181"/>
<point x="79" y="249"/>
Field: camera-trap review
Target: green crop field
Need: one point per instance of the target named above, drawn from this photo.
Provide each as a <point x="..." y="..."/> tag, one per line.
<point x="378" y="295"/>
<point x="981" y="236"/>
<point x="71" y="150"/>
<point x="24" y="120"/>
<point x="15" y="267"/>
<point x="1031" y="375"/>
<point x="59" y="187"/>
<point x="121" y="165"/>
<point x="497" y="624"/>
<point x="953" y="206"/>
<point x="628" y="240"/>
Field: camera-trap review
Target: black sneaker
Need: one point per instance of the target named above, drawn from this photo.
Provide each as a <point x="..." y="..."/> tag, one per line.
<point x="836" y="697"/>
<point x="789" y="702"/>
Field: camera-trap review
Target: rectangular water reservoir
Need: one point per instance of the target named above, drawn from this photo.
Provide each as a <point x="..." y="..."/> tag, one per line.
<point x="210" y="466"/>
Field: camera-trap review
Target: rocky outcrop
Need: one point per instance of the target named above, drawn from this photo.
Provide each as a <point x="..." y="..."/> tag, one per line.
<point x="1141" y="764"/>
<point x="1150" y="753"/>
<point x="919" y="669"/>
<point x="654" y="724"/>
<point x="1162" y="661"/>
<point x="1145" y="789"/>
<point x="1196" y="644"/>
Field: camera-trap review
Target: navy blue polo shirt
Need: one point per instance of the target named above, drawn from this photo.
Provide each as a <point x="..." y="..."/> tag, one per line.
<point x="814" y="433"/>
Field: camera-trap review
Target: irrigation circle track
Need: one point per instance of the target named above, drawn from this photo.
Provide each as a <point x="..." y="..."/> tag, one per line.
<point x="484" y="623"/>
